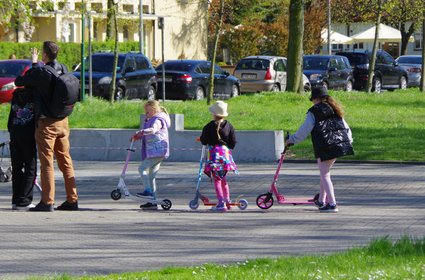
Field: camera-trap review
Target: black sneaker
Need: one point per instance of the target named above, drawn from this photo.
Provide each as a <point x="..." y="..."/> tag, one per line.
<point x="42" y="207"/>
<point x="149" y="206"/>
<point x="68" y="206"/>
<point x="329" y="208"/>
<point x="318" y="203"/>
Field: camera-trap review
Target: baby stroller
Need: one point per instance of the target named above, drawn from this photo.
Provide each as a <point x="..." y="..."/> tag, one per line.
<point x="122" y="187"/>
<point x="5" y="174"/>
<point x="194" y="203"/>
<point x="265" y="200"/>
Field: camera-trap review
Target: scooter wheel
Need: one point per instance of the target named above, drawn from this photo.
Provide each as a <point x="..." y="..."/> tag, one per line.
<point x="166" y="204"/>
<point x="193" y="204"/>
<point x="265" y="201"/>
<point x="116" y="194"/>
<point x="243" y="204"/>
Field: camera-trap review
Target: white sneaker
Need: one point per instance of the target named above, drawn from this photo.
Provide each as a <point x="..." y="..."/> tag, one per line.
<point x="25" y="208"/>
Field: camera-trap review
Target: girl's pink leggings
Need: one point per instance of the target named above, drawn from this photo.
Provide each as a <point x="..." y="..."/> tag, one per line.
<point x="326" y="187"/>
<point x="221" y="189"/>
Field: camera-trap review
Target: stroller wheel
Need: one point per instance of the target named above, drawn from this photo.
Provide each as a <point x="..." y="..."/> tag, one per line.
<point x="116" y="194"/>
<point x="243" y="204"/>
<point x="166" y="204"/>
<point x="265" y="201"/>
<point x="193" y="204"/>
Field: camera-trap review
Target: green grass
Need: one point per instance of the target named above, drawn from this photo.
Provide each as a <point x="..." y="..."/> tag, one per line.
<point x="382" y="259"/>
<point x="388" y="126"/>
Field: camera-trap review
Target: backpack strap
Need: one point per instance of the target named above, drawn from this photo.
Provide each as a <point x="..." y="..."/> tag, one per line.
<point x="52" y="70"/>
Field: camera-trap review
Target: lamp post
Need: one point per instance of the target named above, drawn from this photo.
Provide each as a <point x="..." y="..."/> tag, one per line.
<point x="161" y="26"/>
<point x="329" y="28"/>
<point x="83" y="64"/>
<point x="141" y="26"/>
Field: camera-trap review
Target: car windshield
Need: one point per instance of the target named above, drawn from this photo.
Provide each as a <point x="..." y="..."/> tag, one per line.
<point x="315" y="63"/>
<point x="410" y="59"/>
<point x="177" y="66"/>
<point x="253" y="64"/>
<point x="104" y="63"/>
<point x="12" y="70"/>
<point x="357" y="58"/>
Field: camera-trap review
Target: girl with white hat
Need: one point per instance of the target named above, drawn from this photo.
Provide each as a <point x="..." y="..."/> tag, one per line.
<point x="219" y="135"/>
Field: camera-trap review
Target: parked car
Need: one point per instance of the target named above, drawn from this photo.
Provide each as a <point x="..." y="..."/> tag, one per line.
<point x="256" y="75"/>
<point x="9" y="70"/>
<point x="388" y="74"/>
<point x="136" y="78"/>
<point x="189" y="79"/>
<point x="330" y="71"/>
<point x="413" y="66"/>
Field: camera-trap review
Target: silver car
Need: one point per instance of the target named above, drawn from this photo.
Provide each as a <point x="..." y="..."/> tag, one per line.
<point x="264" y="73"/>
<point x="413" y="65"/>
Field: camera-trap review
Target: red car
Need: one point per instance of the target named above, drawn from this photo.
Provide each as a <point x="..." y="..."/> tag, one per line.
<point x="9" y="70"/>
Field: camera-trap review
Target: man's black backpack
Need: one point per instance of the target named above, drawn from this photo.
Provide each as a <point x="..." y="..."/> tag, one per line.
<point x="66" y="89"/>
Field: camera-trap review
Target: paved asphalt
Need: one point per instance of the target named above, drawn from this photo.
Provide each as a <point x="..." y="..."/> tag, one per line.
<point x="107" y="236"/>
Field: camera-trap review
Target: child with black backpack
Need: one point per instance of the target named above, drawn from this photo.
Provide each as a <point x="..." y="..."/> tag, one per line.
<point x="23" y="152"/>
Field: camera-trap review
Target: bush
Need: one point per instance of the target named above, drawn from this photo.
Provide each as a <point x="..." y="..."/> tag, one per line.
<point x="69" y="53"/>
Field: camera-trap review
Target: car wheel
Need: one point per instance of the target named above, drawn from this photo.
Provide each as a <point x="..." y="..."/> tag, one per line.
<point x="403" y="83"/>
<point x="235" y="91"/>
<point x="199" y="94"/>
<point x="275" y="88"/>
<point x="151" y="93"/>
<point x="349" y="86"/>
<point x="119" y="94"/>
<point x="376" y="85"/>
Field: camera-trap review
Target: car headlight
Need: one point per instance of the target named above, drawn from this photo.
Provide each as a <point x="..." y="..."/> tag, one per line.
<point x="9" y="86"/>
<point x="105" y="81"/>
<point x="316" y="77"/>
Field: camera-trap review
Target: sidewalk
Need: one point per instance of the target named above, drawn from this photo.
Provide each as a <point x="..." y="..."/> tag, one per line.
<point x="107" y="236"/>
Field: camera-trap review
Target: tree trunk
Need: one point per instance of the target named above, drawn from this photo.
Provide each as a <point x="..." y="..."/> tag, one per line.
<point x="218" y="26"/>
<point x="295" y="45"/>
<point x="405" y="36"/>
<point x="112" y="87"/>
<point x="375" y="48"/>
<point x="109" y="21"/>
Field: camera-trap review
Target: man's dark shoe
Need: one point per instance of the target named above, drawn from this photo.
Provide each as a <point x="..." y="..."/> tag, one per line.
<point x="68" y="206"/>
<point x="42" y="207"/>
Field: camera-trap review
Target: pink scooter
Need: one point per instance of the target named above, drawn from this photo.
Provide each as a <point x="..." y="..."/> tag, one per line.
<point x="265" y="201"/>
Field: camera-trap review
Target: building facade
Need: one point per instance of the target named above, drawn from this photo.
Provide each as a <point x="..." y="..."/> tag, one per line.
<point x="414" y="46"/>
<point x="184" y="24"/>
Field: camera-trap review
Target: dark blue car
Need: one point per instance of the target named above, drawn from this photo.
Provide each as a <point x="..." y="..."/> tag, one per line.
<point x="136" y="78"/>
<point x="188" y="79"/>
<point x="330" y="71"/>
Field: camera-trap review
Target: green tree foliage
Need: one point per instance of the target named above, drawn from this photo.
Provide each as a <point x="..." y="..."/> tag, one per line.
<point x="15" y="15"/>
<point x="243" y="40"/>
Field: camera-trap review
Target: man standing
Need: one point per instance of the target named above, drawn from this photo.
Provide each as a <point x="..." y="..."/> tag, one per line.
<point x="51" y="134"/>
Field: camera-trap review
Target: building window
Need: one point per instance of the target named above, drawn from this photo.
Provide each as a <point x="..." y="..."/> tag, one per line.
<point x="77" y="6"/>
<point x="47" y="6"/>
<point x="337" y="47"/>
<point x="97" y="7"/>
<point x="61" y="5"/>
<point x="418" y="42"/>
<point x="128" y="9"/>
<point x="95" y="32"/>
<point x="358" y="46"/>
<point x="125" y="33"/>
<point x="71" y="32"/>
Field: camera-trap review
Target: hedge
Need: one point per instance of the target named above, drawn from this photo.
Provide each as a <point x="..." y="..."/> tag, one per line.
<point x="69" y="53"/>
